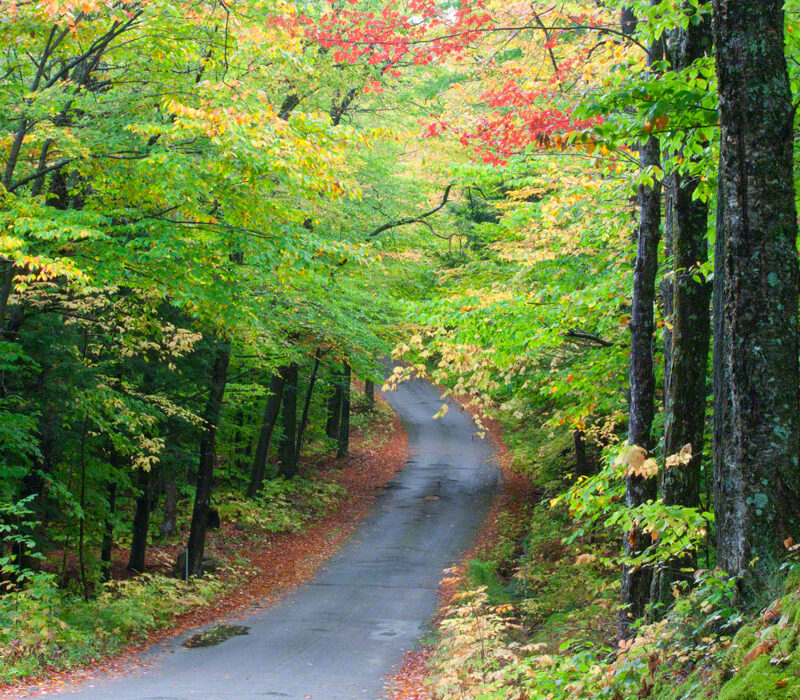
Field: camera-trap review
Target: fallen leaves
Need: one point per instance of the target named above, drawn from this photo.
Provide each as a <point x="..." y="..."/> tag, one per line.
<point x="761" y="648"/>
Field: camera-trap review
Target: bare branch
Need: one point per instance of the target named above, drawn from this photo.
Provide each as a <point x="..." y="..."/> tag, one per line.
<point x="414" y="219"/>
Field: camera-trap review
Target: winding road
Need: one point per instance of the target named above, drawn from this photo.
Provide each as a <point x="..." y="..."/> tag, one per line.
<point x="338" y="637"/>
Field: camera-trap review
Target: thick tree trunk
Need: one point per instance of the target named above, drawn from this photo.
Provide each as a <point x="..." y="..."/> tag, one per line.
<point x="287" y="454"/>
<point x="208" y="453"/>
<point x="686" y="353"/>
<point x="636" y="580"/>
<point x="307" y="404"/>
<point x="141" y="523"/>
<point x="108" y="533"/>
<point x="271" y="412"/>
<point x="756" y="476"/>
<point x="343" y="445"/>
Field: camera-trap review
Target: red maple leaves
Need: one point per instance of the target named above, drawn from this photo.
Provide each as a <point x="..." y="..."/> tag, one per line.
<point x="423" y="33"/>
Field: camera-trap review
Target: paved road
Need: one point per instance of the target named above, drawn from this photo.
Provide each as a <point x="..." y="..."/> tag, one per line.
<point x="338" y="637"/>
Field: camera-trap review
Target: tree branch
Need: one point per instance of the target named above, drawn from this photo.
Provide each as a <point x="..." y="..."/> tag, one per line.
<point x="414" y="219"/>
<point x="579" y="335"/>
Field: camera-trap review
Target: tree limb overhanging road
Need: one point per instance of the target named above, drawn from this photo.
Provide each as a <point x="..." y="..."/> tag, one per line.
<point x="338" y="637"/>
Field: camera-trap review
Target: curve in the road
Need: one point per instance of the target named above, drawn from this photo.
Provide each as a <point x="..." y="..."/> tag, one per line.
<point x="338" y="637"/>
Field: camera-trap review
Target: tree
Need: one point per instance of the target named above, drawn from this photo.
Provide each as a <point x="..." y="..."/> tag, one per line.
<point x="287" y="449"/>
<point x="271" y="411"/>
<point x="757" y="399"/>
<point x="641" y="488"/>
<point x="205" y="470"/>
<point x="687" y="315"/>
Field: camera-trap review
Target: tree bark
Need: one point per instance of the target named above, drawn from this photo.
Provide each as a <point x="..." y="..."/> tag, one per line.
<point x="628" y="21"/>
<point x="169" y="522"/>
<point x="757" y="431"/>
<point x="108" y="533"/>
<point x="636" y="580"/>
<point x="287" y="454"/>
<point x="205" y="470"/>
<point x="343" y="445"/>
<point x="141" y="523"/>
<point x="271" y="411"/>
<point x="307" y="404"/>
<point x="686" y="353"/>
<point x="369" y="392"/>
<point x="335" y="408"/>
<point x="582" y="467"/>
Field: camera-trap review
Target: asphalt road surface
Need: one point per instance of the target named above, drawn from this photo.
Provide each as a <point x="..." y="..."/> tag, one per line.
<point x="338" y="637"/>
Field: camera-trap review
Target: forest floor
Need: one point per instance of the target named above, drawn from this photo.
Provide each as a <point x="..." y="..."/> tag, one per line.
<point x="276" y="564"/>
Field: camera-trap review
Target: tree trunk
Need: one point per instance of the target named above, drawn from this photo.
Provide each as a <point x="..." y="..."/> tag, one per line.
<point x="169" y="522"/>
<point x="628" y="21"/>
<point x="287" y="454"/>
<point x="335" y="408"/>
<point x="271" y="411"/>
<point x="343" y="445"/>
<point x="686" y="355"/>
<point x="205" y="470"/>
<point x="306" y="405"/>
<point x="756" y="478"/>
<point x="369" y="392"/>
<point x="581" y="462"/>
<point x="636" y="580"/>
<point x="141" y="523"/>
<point x="108" y="533"/>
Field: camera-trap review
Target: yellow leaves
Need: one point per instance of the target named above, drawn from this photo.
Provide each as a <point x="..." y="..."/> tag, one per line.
<point x="681" y="459"/>
<point x="636" y="462"/>
<point x="442" y="412"/>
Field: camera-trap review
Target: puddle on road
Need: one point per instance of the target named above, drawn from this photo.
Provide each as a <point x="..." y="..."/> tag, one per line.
<point x="215" y="635"/>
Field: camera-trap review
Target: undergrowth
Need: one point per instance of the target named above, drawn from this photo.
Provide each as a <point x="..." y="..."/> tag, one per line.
<point x="46" y="627"/>
<point x="536" y="618"/>
<point x="282" y="505"/>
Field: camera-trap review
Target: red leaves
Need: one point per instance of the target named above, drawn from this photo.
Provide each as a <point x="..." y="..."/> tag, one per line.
<point x="392" y="37"/>
<point x="409" y="682"/>
<point x="435" y="129"/>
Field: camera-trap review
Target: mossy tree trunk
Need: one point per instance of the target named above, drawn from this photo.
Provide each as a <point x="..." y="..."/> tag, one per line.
<point x="369" y="393"/>
<point x="271" y="411"/>
<point x="141" y="522"/>
<point x="307" y="403"/>
<point x="688" y="301"/>
<point x="335" y="407"/>
<point x="107" y="545"/>
<point x="343" y="445"/>
<point x="756" y="471"/>
<point x="636" y="580"/>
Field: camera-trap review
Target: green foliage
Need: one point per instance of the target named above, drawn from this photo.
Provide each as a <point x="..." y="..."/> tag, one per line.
<point x="16" y="523"/>
<point x="45" y="627"/>
<point x="283" y="505"/>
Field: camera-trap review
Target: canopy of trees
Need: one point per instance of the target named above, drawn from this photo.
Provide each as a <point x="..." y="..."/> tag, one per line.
<point x="582" y="215"/>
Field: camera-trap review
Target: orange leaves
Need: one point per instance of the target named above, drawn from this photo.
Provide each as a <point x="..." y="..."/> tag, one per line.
<point x="763" y="647"/>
